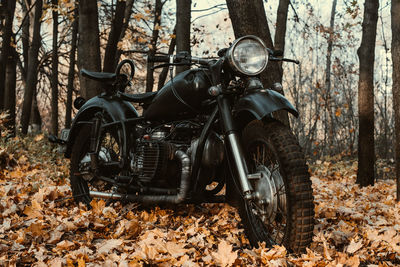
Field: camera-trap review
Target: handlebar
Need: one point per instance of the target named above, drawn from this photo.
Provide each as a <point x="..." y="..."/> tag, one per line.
<point x="158" y="59"/>
<point x="182" y="58"/>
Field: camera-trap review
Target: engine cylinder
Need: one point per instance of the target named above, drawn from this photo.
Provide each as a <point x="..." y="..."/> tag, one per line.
<point x="151" y="159"/>
<point x="213" y="153"/>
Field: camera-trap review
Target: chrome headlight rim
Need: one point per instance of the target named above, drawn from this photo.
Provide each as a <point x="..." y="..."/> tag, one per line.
<point x="235" y="66"/>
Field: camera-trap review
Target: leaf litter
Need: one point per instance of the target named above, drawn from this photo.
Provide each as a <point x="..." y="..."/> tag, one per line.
<point x="40" y="225"/>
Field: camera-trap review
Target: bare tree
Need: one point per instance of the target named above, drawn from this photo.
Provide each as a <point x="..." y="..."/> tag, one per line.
<point x="183" y="8"/>
<point x="89" y="46"/>
<point x="366" y="55"/>
<point x="6" y="48"/>
<point x="164" y="72"/>
<point x="54" y="73"/>
<point x="71" y="69"/>
<point x="10" y="86"/>
<point x="127" y="16"/>
<point x="328" y="95"/>
<point x="32" y="68"/>
<point x="113" y="38"/>
<point x="280" y="32"/>
<point x="153" y="45"/>
<point x="396" y="84"/>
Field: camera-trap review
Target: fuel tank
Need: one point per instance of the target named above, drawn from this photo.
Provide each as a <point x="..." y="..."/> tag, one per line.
<point x="180" y="97"/>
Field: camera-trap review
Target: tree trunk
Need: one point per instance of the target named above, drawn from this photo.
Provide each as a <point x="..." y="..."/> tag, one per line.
<point x="36" y="118"/>
<point x="164" y="72"/>
<point x="153" y="45"/>
<point x="280" y="33"/>
<point x="89" y="47"/>
<point x="9" y="96"/>
<point x="328" y="86"/>
<point x="54" y="73"/>
<point x="366" y="55"/>
<point x="25" y="37"/>
<point x="71" y="70"/>
<point x="183" y="9"/>
<point x="127" y="16"/>
<point x="396" y="84"/>
<point x="6" y="49"/>
<point x="32" y="68"/>
<point x="113" y="38"/>
<point x="248" y="17"/>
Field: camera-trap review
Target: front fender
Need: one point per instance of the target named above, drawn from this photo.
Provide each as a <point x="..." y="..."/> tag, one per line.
<point x="116" y="109"/>
<point x="261" y="103"/>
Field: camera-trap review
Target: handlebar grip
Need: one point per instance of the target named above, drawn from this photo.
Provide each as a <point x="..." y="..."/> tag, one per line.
<point x="158" y="59"/>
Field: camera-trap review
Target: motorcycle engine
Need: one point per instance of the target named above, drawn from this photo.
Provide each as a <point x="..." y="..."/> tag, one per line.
<point x="153" y="158"/>
<point x="152" y="161"/>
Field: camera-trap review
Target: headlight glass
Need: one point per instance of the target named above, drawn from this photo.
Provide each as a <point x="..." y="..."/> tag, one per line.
<point x="248" y="55"/>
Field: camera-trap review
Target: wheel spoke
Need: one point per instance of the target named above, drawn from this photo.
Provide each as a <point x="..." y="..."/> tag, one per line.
<point x="263" y="157"/>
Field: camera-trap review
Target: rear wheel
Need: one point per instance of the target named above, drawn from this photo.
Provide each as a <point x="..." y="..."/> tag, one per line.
<point x="83" y="178"/>
<point x="282" y="212"/>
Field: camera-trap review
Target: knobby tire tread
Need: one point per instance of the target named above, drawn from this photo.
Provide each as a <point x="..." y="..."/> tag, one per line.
<point x="295" y="171"/>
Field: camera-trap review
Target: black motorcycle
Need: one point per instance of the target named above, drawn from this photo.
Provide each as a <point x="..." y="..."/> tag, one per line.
<point x="207" y="136"/>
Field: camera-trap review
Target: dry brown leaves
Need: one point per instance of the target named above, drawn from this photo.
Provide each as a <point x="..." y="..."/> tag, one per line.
<point x="41" y="226"/>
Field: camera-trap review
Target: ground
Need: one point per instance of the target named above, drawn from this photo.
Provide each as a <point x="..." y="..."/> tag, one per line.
<point x="40" y="225"/>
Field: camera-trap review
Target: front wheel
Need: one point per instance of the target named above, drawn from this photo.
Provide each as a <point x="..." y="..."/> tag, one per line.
<point x="282" y="211"/>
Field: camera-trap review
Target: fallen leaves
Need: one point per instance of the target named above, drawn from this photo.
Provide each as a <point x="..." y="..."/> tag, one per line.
<point x="224" y="256"/>
<point x="40" y="224"/>
<point x="65" y="245"/>
<point x="354" y="246"/>
<point x="107" y="246"/>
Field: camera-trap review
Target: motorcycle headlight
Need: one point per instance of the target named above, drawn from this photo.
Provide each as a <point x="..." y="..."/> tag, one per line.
<point x="248" y="55"/>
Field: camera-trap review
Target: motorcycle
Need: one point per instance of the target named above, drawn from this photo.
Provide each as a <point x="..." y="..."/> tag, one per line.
<point x="208" y="136"/>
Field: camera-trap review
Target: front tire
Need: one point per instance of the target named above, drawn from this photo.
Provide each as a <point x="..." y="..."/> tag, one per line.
<point x="283" y="211"/>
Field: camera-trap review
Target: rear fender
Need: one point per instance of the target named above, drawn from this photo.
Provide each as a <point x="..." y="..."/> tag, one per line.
<point x="260" y="104"/>
<point x="117" y="110"/>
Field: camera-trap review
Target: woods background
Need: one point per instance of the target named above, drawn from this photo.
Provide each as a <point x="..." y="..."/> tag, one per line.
<point x="345" y="87"/>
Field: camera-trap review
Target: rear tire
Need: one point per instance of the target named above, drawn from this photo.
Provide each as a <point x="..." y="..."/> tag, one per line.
<point x="110" y="151"/>
<point x="284" y="214"/>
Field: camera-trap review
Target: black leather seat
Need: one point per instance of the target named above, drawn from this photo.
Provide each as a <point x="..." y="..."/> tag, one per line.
<point x="138" y="98"/>
<point x="105" y="77"/>
<point x="110" y="78"/>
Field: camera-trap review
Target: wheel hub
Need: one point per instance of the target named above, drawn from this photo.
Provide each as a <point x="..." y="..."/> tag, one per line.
<point x="85" y="164"/>
<point x="267" y="196"/>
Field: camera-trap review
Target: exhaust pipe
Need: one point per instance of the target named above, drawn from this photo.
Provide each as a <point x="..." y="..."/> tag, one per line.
<point x="154" y="199"/>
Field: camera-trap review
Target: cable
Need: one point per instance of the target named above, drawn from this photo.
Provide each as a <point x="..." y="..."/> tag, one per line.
<point x="177" y="95"/>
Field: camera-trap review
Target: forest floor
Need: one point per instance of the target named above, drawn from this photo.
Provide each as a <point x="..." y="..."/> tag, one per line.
<point x="40" y="225"/>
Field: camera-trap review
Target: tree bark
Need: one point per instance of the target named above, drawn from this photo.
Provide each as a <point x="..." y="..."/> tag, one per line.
<point x="395" y="13"/>
<point x="54" y="74"/>
<point x="248" y="17"/>
<point x="183" y="9"/>
<point x="32" y="68"/>
<point x="6" y="49"/>
<point x="366" y="55"/>
<point x="127" y="16"/>
<point x="164" y="72"/>
<point x="328" y="86"/>
<point x="153" y="45"/>
<point x="36" y="118"/>
<point x="25" y="37"/>
<point x="71" y="70"/>
<point x="10" y="85"/>
<point x="280" y="33"/>
<point x="113" y="38"/>
<point x="89" y="47"/>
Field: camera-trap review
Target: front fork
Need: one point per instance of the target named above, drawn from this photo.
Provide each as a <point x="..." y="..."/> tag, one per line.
<point x="235" y="147"/>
